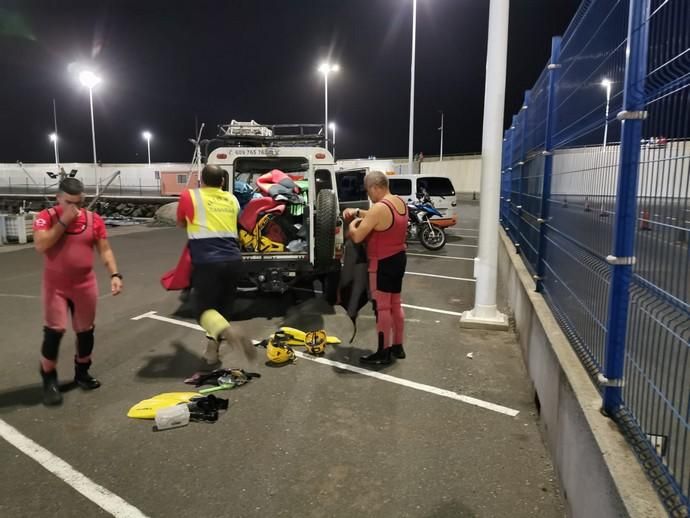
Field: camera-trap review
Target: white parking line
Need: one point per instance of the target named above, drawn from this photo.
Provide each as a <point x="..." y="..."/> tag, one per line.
<point x="432" y="310"/>
<point x="442" y="257"/>
<point x="458" y="244"/>
<point x="412" y="384"/>
<point x="109" y="502"/>
<point x="447" y="244"/>
<point x="18" y="296"/>
<point x="365" y="372"/>
<point x="441" y="276"/>
<point x="458" y="228"/>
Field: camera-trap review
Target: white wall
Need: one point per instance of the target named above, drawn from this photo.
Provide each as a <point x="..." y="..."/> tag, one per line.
<point x="464" y="172"/>
<point x="131" y="175"/>
<point x="664" y="172"/>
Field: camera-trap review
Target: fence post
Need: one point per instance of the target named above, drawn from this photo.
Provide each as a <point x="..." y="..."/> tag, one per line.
<point x="522" y="120"/>
<point x="553" y="67"/>
<point x="622" y="259"/>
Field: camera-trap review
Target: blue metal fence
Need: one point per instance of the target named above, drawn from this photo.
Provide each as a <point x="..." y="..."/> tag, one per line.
<point x="595" y="196"/>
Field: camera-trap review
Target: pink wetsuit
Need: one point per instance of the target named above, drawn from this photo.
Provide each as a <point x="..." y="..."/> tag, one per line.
<point x="69" y="281"/>
<point x="387" y="262"/>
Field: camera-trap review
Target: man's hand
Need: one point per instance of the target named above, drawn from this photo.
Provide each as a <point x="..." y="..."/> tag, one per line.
<point x="69" y="213"/>
<point x="115" y="286"/>
<point x="349" y="214"/>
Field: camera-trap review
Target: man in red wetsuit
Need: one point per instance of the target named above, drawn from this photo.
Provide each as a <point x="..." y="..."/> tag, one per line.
<point x="384" y="227"/>
<point x="66" y="235"/>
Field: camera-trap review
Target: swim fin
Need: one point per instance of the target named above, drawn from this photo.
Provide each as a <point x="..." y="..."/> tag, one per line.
<point x="146" y="409"/>
<point x="298" y="338"/>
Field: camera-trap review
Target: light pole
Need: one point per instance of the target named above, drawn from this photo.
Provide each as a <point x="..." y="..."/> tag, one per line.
<point x="325" y="69"/>
<point x="606" y="83"/>
<point x="485" y="312"/>
<point x="332" y="127"/>
<point x="90" y="80"/>
<point x="53" y="139"/>
<point x="146" y="135"/>
<point x="440" y="158"/>
<point x="414" y="46"/>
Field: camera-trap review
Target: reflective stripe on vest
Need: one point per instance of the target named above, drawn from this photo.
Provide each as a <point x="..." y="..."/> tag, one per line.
<point x="215" y="214"/>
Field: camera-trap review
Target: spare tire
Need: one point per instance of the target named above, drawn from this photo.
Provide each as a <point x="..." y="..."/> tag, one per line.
<point x="325" y="221"/>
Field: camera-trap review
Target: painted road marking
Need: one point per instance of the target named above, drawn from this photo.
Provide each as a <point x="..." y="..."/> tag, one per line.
<point x="365" y="372"/>
<point x="18" y="296"/>
<point x="458" y="244"/>
<point x="451" y="244"/>
<point x="442" y="257"/>
<point x="411" y="384"/>
<point x="109" y="502"/>
<point x="441" y="276"/>
<point x="432" y="310"/>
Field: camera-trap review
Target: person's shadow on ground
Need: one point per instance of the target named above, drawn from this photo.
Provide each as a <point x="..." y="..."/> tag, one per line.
<point x="303" y="310"/>
<point x="179" y="364"/>
<point x="27" y="396"/>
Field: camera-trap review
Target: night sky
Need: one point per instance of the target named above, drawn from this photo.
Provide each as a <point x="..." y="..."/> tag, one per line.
<point x="166" y="62"/>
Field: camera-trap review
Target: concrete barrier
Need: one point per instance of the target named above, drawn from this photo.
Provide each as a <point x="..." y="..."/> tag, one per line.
<point x="599" y="474"/>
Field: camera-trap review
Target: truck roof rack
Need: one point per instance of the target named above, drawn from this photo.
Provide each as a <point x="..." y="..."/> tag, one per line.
<point x="269" y="135"/>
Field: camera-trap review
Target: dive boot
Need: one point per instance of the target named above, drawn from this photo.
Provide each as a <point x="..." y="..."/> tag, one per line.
<point x="83" y="378"/>
<point x="382" y="356"/>
<point x="398" y="351"/>
<point x="51" y="389"/>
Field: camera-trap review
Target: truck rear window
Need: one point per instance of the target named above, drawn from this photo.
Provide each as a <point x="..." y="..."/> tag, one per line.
<point x="436" y="186"/>
<point x="261" y="165"/>
<point x="351" y="186"/>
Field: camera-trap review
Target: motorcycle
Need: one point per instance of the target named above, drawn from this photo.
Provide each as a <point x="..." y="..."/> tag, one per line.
<point x="421" y="226"/>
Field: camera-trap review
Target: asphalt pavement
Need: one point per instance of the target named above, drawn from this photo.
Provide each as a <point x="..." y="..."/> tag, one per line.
<point x="439" y="434"/>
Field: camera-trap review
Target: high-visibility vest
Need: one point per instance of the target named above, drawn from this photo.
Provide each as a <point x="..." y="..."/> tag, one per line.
<point x="215" y="214"/>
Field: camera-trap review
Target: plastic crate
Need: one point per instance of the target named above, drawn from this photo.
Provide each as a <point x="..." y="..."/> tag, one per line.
<point x="17" y="228"/>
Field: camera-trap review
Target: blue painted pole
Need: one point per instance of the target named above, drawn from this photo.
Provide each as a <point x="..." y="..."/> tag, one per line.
<point x="522" y="120"/>
<point x="554" y="67"/>
<point x="622" y="258"/>
<point x="511" y="169"/>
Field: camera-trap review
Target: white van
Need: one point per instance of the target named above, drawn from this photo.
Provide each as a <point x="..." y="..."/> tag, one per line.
<point x="439" y="188"/>
<point x="351" y="192"/>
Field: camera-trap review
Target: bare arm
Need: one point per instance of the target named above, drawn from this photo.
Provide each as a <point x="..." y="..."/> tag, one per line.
<point x="108" y="258"/>
<point x="45" y="239"/>
<point x="107" y="255"/>
<point x="361" y="228"/>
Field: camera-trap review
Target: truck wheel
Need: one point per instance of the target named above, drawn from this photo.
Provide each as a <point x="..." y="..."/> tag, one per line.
<point x="325" y="221"/>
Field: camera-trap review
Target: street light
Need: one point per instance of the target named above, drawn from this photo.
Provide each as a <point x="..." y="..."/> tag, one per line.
<point x="332" y="128"/>
<point x="90" y="80"/>
<point x="53" y="138"/>
<point x="146" y="135"/>
<point x="414" y="46"/>
<point x="606" y="83"/>
<point x="325" y="69"/>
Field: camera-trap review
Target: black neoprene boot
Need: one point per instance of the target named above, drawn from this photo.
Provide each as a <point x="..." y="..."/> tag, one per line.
<point x="382" y="356"/>
<point x="83" y="378"/>
<point x="398" y="351"/>
<point x="51" y="389"/>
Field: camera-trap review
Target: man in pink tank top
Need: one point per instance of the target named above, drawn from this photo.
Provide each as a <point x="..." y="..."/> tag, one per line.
<point x="66" y="235"/>
<point x="384" y="228"/>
